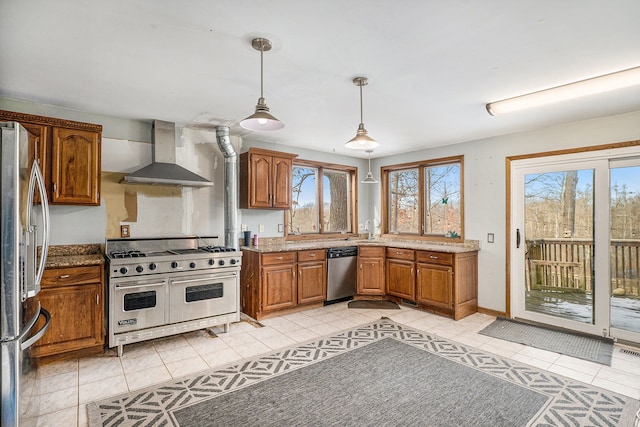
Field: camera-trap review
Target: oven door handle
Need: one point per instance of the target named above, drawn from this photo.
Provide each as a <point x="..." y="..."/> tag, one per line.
<point x="148" y="285"/>
<point x="180" y="282"/>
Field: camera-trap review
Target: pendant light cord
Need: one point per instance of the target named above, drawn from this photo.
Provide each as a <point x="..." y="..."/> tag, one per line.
<point x="261" y="73"/>
<point x="361" y="114"/>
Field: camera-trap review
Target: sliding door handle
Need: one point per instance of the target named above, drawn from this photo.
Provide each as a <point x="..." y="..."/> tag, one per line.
<point x="517" y="238"/>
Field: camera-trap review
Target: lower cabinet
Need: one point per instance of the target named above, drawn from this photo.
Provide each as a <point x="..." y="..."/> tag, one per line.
<point x="281" y="280"/>
<point x="312" y="276"/>
<point x="74" y="296"/>
<point x="371" y="270"/>
<point x="400" y="275"/>
<point x="447" y="283"/>
<point x="279" y="287"/>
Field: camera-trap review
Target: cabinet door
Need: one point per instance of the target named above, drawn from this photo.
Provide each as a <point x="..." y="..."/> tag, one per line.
<point x="281" y="183"/>
<point x="312" y="279"/>
<point x="75" y="167"/>
<point x="279" y="287"/>
<point x="400" y="279"/>
<point x="38" y="137"/>
<point x="260" y="177"/>
<point x="370" y="276"/>
<point x="433" y="284"/>
<point x="76" y="319"/>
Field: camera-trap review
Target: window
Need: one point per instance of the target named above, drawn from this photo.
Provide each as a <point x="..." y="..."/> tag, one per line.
<point x="424" y="198"/>
<point x="316" y="185"/>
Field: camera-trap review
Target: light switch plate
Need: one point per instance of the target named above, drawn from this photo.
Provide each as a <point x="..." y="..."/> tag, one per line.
<point x="280" y="228"/>
<point x="261" y="228"/>
<point x="490" y="237"/>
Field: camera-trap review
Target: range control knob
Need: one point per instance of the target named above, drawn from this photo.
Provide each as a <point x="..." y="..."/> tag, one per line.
<point x="174" y="264"/>
<point x="192" y="264"/>
<point x="233" y="261"/>
<point x="124" y="270"/>
<point x="212" y="261"/>
<point x="221" y="262"/>
<point x="152" y="266"/>
<point x="139" y="269"/>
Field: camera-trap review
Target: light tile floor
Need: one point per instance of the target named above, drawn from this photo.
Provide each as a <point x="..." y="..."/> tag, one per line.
<point x="67" y="386"/>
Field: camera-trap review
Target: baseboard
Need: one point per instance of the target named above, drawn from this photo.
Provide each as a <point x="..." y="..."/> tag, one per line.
<point x="491" y="312"/>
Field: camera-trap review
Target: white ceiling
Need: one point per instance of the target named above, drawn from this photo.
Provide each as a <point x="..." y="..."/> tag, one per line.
<point x="432" y="64"/>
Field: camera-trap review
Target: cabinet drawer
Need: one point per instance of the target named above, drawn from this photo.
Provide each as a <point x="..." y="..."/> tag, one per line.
<point x="278" y="258"/>
<point x="312" y="255"/>
<point x="442" y="258"/>
<point x="371" y="251"/>
<point x="398" y="253"/>
<point x="71" y="276"/>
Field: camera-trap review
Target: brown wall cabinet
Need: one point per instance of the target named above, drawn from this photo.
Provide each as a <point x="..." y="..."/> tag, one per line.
<point x="69" y="155"/>
<point x="371" y="270"/>
<point x="75" y="298"/>
<point x="265" y="179"/>
<point x="281" y="280"/>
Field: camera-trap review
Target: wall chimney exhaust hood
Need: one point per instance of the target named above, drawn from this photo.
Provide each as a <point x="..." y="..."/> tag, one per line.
<point x="163" y="169"/>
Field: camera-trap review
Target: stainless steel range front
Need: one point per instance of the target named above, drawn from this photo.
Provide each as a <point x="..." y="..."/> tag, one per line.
<point x="166" y="286"/>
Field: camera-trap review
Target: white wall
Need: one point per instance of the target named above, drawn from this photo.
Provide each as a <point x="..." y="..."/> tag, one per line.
<point x="485" y="184"/>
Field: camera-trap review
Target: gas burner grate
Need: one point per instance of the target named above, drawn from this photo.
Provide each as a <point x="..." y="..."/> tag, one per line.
<point x="216" y="249"/>
<point x="128" y="254"/>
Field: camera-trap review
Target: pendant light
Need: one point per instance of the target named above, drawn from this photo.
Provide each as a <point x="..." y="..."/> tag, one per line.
<point x="361" y="141"/>
<point x="261" y="120"/>
<point x="369" y="179"/>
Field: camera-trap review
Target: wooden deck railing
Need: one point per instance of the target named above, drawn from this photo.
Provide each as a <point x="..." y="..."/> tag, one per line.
<point x="566" y="265"/>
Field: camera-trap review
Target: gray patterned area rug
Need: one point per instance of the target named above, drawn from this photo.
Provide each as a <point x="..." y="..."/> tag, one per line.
<point x="593" y="349"/>
<point x="380" y="374"/>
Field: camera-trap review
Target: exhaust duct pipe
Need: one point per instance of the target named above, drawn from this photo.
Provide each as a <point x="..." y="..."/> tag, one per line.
<point x="230" y="187"/>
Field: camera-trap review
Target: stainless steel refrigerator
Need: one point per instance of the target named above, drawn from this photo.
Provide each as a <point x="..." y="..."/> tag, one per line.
<point x="24" y="242"/>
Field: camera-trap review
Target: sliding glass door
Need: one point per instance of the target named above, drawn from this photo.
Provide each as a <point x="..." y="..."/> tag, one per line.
<point x="575" y="226"/>
<point x="624" y="205"/>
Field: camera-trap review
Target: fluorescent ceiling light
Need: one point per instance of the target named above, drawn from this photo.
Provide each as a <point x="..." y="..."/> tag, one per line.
<point x="606" y="83"/>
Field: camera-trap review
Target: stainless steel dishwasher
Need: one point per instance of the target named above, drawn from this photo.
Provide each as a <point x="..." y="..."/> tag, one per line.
<point x="341" y="273"/>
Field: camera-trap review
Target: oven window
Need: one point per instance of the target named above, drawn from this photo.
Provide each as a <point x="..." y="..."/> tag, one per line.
<point x="139" y="300"/>
<point x="203" y="292"/>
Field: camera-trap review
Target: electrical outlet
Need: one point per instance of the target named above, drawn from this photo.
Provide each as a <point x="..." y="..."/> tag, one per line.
<point x="361" y="227"/>
<point x="243" y="227"/>
<point x="124" y="231"/>
<point x="490" y="237"/>
<point x="261" y="228"/>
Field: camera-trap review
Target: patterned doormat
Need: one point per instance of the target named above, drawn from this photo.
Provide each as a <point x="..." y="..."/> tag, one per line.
<point x="380" y="374"/>
<point x="594" y="349"/>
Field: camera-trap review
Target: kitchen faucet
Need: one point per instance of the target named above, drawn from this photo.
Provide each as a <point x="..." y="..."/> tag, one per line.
<point x="369" y="228"/>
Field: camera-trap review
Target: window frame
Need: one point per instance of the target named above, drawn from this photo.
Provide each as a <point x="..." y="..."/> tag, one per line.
<point x="353" y="220"/>
<point x="420" y="165"/>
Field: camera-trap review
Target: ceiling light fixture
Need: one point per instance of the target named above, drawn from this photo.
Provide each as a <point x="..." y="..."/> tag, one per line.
<point x="369" y="179"/>
<point x="592" y="86"/>
<point x="261" y="120"/>
<point x="361" y="141"/>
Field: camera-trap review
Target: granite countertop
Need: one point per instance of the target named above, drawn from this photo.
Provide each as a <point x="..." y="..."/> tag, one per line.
<point x="74" y="256"/>
<point x="453" y="247"/>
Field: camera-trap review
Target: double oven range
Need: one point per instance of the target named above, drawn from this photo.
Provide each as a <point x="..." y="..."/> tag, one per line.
<point x="165" y="286"/>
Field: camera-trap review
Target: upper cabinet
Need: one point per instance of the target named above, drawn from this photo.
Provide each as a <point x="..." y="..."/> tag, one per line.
<point x="68" y="153"/>
<point x="265" y="179"/>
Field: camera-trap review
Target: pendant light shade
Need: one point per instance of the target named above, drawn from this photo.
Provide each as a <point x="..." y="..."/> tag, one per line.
<point x="362" y="141"/>
<point x="369" y="178"/>
<point x="261" y="120"/>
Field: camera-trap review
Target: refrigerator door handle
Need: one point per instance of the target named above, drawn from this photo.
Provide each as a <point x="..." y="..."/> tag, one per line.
<point x="36" y="178"/>
<point x="29" y="342"/>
